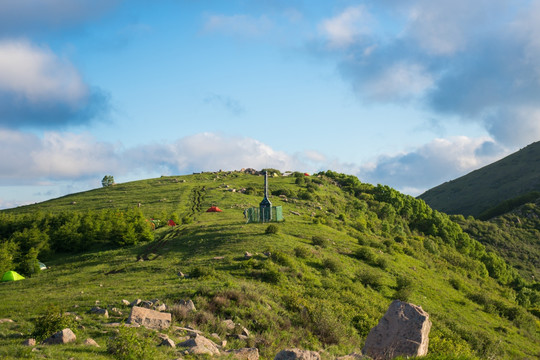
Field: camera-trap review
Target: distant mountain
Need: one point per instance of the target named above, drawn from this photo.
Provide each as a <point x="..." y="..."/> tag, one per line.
<point x="492" y="190"/>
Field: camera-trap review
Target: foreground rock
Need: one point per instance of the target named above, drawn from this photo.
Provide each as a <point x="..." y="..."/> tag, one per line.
<point x="402" y="331"/>
<point x="199" y="345"/>
<point x="62" y="337"/>
<point x="292" y="354"/>
<point x="148" y="318"/>
<point x="245" y="354"/>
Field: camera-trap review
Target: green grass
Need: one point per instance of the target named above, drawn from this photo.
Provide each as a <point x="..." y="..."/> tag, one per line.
<point x="315" y="298"/>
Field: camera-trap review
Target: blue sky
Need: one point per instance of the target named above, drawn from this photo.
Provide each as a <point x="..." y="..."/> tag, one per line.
<point x="409" y="93"/>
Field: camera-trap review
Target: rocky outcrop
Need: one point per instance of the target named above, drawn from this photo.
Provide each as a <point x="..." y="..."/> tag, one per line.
<point x="149" y="318"/>
<point x="62" y="337"/>
<point x="199" y="345"/>
<point x="293" y="354"/>
<point x="402" y="331"/>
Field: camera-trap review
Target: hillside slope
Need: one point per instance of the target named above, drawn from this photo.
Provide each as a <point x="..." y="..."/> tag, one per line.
<point x="344" y="252"/>
<point x="473" y="194"/>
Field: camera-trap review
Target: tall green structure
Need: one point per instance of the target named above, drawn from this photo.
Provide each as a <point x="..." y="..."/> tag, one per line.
<point x="265" y="212"/>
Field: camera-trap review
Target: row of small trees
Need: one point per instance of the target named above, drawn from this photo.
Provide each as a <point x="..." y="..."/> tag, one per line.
<point x="25" y="238"/>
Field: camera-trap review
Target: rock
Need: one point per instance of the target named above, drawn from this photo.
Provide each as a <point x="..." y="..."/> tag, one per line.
<point x="244" y="331"/>
<point x="6" y="321"/>
<point x="135" y="302"/>
<point x="62" y="337"/>
<point x="292" y="354"/>
<point x="229" y="324"/>
<point x="90" y="342"/>
<point x="125" y="302"/>
<point x="146" y="304"/>
<point x="99" y="311"/>
<point x="168" y="343"/>
<point x="29" y="342"/>
<point x="402" y="331"/>
<point x="245" y="353"/>
<point x="149" y="318"/>
<point x="240" y="337"/>
<point x="181" y="275"/>
<point x="116" y="311"/>
<point x="161" y="307"/>
<point x="200" y="345"/>
<point x="248" y="255"/>
<point x="187" y="304"/>
<point x="191" y="332"/>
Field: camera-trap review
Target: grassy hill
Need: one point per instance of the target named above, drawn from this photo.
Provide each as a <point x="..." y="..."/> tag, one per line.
<point x="514" y="180"/>
<point x="344" y="252"/>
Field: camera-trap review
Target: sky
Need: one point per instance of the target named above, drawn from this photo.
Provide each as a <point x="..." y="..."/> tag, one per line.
<point x="407" y="93"/>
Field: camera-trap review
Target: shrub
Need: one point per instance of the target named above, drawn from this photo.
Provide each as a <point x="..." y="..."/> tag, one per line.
<point x="301" y="252"/>
<point x="202" y="271"/>
<point x="381" y="262"/>
<point x="456" y="283"/>
<point x="371" y="279"/>
<point x="51" y="322"/>
<point x="363" y="323"/>
<point x="282" y="259"/>
<point x="319" y="241"/>
<point x="366" y="254"/>
<point x="404" y="288"/>
<point x="271" y="229"/>
<point x="127" y="344"/>
<point x="187" y="220"/>
<point x="332" y="264"/>
<point x="305" y="195"/>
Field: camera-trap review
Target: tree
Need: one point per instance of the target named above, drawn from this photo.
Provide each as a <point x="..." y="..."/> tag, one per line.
<point x="108" y="180"/>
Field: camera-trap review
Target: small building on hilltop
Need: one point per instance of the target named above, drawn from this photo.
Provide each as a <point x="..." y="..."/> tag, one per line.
<point x="265" y="212"/>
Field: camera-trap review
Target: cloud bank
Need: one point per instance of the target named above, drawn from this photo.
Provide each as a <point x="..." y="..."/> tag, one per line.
<point x="38" y="88"/>
<point x="477" y="61"/>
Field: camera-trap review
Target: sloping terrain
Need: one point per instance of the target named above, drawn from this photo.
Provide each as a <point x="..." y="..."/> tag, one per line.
<point x="321" y="281"/>
<point x="513" y="177"/>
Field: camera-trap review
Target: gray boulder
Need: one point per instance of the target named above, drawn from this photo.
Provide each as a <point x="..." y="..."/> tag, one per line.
<point x="199" y="345"/>
<point x="148" y="318"/>
<point x="402" y="331"/>
<point x="62" y="337"/>
<point x="293" y="354"/>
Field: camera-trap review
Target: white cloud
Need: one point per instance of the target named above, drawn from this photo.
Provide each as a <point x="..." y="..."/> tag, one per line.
<point x="38" y="75"/>
<point x="238" y="25"/>
<point x="345" y="28"/>
<point x="38" y="88"/>
<point x="432" y="164"/>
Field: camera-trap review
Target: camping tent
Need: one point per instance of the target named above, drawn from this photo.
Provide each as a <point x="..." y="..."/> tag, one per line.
<point x="11" y="276"/>
<point x="42" y="266"/>
<point x="214" y="209"/>
<point x="171" y="223"/>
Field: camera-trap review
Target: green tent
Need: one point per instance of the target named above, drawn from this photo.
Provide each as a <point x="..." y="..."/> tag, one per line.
<point x="11" y="276"/>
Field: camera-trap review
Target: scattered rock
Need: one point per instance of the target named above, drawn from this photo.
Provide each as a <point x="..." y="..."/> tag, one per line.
<point x="244" y="331"/>
<point x="29" y="342"/>
<point x="161" y="307"/>
<point x="99" y="311"/>
<point x="229" y="324"/>
<point x="149" y="318"/>
<point x="125" y="302"/>
<point x="402" y="331"/>
<point x="200" y="345"/>
<point x="62" y="337"/>
<point x="91" y="342"/>
<point x="218" y="257"/>
<point x="6" y="321"/>
<point x="146" y="304"/>
<point x="187" y="304"/>
<point x="353" y="356"/>
<point x="292" y="354"/>
<point x="168" y="342"/>
<point x="181" y="275"/>
<point x="240" y="337"/>
<point x="116" y="311"/>
<point x="135" y="302"/>
<point x="245" y="353"/>
<point x="295" y="213"/>
<point x="191" y="332"/>
<point x="248" y="255"/>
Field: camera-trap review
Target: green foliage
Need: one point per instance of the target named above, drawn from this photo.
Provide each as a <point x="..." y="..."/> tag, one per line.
<point x="301" y="252"/>
<point x="108" y="180"/>
<point x="321" y="241"/>
<point x="271" y="229"/>
<point x="53" y="320"/>
<point x="127" y="344"/>
<point x="332" y="264"/>
<point x="370" y="278"/>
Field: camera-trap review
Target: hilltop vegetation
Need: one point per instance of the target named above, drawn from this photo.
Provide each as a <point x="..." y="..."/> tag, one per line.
<point x="492" y="190"/>
<point x="319" y="280"/>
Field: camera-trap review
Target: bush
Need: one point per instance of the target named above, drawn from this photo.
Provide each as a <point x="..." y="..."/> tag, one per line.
<point x="202" y="271"/>
<point x="271" y="229"/>
<point x="404" y="288"/>
<point x="52" y="321"/>
<point x="332" y="264"/>
<point x="187" y="220"/>
<point x="301" y="252"/>
<point x="365" y="254"/>
<point x="127" y="344"/>
<point x="371" y="279"/>
<point x="319" y="241"/>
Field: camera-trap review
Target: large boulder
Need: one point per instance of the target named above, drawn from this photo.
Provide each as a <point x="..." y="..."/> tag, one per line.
<point x="198" y="345"/>
<point x="62" y="337"/>
<point x="148" y="318"/>
<point x="293" y="354"/>
<point x="402" y="331"/>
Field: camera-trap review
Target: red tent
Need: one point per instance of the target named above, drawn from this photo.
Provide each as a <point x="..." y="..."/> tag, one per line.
<point x="171" y="223"/>
<point x="214" y="209"/>
<point x="306" y="174"/>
